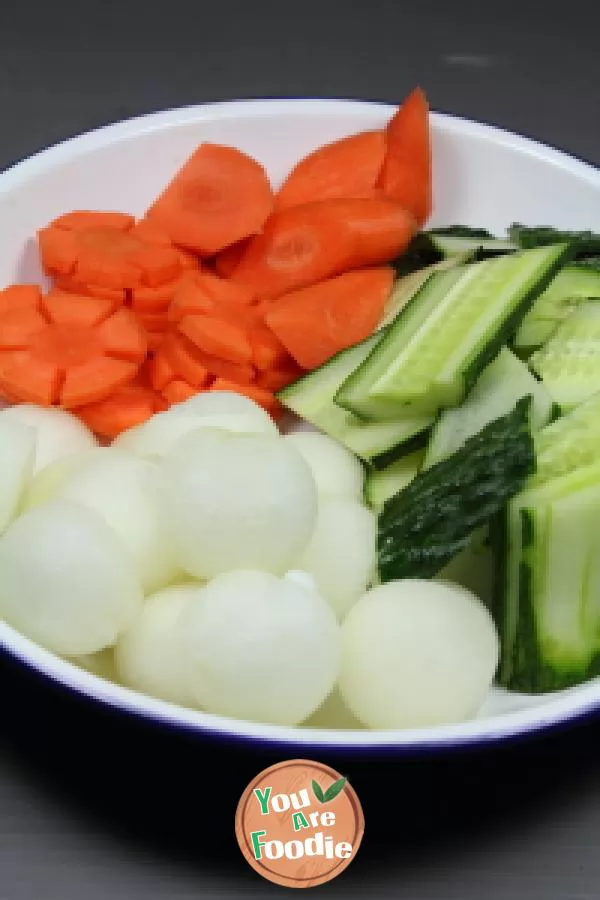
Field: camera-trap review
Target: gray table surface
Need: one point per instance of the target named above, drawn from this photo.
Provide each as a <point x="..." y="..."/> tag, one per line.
<point x="78" y="818"/>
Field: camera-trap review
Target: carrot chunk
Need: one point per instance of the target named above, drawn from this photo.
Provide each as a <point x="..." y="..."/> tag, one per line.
<point x="82" y="219"/>
<point x="406" y="174"/>
<point x="127" y="407"/>
<point x="317" y="322"/>
<point x="345" y="168"/>
<point x="219" y="197"/>
<point x="381" y="227"/>
<point x="17" y="296"/>
<point x="177" y="391"/>
<point x="297" y="247"/>
<point x="183" y="358"/>
<point x="217" y="337"/>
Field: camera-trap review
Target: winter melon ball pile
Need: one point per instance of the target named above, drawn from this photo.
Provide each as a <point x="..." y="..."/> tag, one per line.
<point x="206" y="559"/>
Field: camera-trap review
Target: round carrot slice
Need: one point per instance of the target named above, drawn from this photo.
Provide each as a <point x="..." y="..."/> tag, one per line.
<point x="106" y="256"/>
<point x="219" y="196"/>
<point x="68" y="350"/>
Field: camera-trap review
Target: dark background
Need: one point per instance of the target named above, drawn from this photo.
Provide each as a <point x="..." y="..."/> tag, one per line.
<point x="79" y="820"/>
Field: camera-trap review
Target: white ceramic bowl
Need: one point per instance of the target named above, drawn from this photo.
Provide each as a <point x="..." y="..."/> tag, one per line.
<point x="482" y="176"/>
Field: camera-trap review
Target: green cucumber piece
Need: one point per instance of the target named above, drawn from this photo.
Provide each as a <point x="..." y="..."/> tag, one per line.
<point x="376" y="443"/>
<point x="555" y="304"/>
<point x="425" y="525"/>
<point x="547" y="604"/>
<point x="382" y="484"/>
<point x="568" y="443"/>
<point x="504" y="381"/>
<point x="569" y="363"/>
<point x="434" y="350"/>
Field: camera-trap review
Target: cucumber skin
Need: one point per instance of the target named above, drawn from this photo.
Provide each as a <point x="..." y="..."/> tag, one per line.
<point x="427" y="523"/>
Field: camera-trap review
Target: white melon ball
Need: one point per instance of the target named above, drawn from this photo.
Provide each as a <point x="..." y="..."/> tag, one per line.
<point x="149" y="656"/>
<point x="417" y="653"/>
<point x="123" y="490"/>
<point x="237" y="501"/>
<point x="341" y="552"/>
<point x="66" y="580"/>
<point x="337" y="472"/>
<point x="17" y="459"/>
<point x="210" y="409"/>
<point x="260" y="648"/>
<point x="58" y="432"/>
<point x="46" y="484"/>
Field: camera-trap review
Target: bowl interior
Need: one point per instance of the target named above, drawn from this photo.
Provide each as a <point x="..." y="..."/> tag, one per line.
<point x="482" y="176"/>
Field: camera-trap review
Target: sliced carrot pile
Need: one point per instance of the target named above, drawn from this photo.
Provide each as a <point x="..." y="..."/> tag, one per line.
<point x="317" y="322"/>
<point x="218" y="197"/>
<point x="106" y="256"/>
<point x="221" y="285"/>
<point x="68" y="350"/>
<point x="406" y="171"/>
<point x="346" y="168"/>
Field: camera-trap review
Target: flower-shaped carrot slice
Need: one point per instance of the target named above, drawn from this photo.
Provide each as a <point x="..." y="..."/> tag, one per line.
<point x="105" y="256"/>
<point x="68" y="350"/>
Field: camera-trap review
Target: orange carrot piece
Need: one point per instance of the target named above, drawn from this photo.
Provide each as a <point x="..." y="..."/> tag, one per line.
<point x="219" y="197"/>
<point x="406" y="174"/>
<point x="267" y="350"/>
<point x="161" y="371"/>
<point x="154" y="300"/>
<point x="68" y="350"/>
<point x="154" y="322"/>
<point x="154" y="340"/>
<point x="278" y="378"/>
<point x="186" y="358"/>
<point x="217" y="337"/>
<point x="297" y="247"/>
<point x="18" y="296"/>
<point x="177" y="391"/>
<point x="200" y="293"/>
<point x="259" y="395"/>
<point x="317" y="322"/>
<point x="127" y="407"/>
<point x="183" y="358"/>
<point x="64" y="308"/>
<point x="226" y="261"/>
<point x="345" y="168"/>
<point x="107" y="257"/>
<point x="58" y="251"/>
<point x="82" y="219"/>
<point x="94" y="380"/>
<point x="151" y="233"/>
<point x="74" y="286"/>
<point x="382" y="228"/>
<point x="122" y="337"/>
